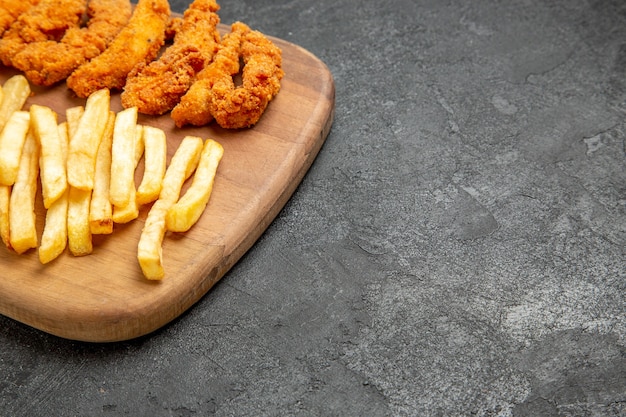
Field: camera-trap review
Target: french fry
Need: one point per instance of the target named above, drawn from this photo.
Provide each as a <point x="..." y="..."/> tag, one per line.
<point x="84" y="143"/>
<point x="186" y="156"/>
<point x="53" y="172"/>
<point x="15" y="91"/>
<point x="78" y="230"/>
<point x="79" y="236"/>
<point x="72" y="116"/>
<point x="182" y="165"/>
<point x="187" y="210"/>
<point x="54" y="236"/>
<point x="131" y="210"/>
<point x="5" y="196"/>
<point x="140" y="145"/>
<point x="128" y="213"/>
<point x="150" y="250"/>
<point x="101" y="211"/>
<point x="123" y="157"/>
<point x="155" y="157"/>
<point x="22" y="230"/>
<point x="12" y="140"/>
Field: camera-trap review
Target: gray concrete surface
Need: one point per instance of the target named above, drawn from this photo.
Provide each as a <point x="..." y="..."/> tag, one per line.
<point x="457" y="249"/>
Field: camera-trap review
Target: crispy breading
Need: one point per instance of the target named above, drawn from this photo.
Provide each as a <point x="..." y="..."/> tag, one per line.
<point x="156" y="87"/>
<point x="48" y="20"/>
<point x="139" y="41"/>
<point x="215" y="96"/>
<point x="236" y="107"/>
<point x="10" y="10"/>
<point x="193" y="107"/>
<point x="173" y="26"/>
<point x="47" y="62"/>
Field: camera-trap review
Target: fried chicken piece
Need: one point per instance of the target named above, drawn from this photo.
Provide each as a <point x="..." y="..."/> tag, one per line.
<point x="173" y="26"/>
<point x="139" y="41"/>
<point x="47" y="62"/>
<point x="193" y="107"/>
<point x="47" y="20"/>
<point x="242" y="106"/>
<point x="156" y="87"/>
<point x="10" y="10"/>
<point x="214" y="94"/>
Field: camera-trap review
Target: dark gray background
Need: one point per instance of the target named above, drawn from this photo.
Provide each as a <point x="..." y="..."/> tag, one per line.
<point x="457" y="248"/>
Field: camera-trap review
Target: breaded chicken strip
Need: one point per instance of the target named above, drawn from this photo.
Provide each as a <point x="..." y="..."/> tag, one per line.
<point x="156" y="87"/>
<point x="139" y="41"/>
<point x="193" y="108"/>
<point x="215" y="96"/>
<point x="10" y="10"/>
<point x="47" y="20"/>
<point x="237" y="107"/>
<point x="47" y="62"/>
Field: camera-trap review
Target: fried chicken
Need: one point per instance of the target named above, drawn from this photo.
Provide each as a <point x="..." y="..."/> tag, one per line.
<point x="215" y="96"/>
<point x="139" y="41"/>
<point x="10" y="10"/>
<point x="193" y="107"/>
<point x="47" y="20"/>
<point x="47" y="62"/>
<point x="242" y="106"/>
<point x="156" y="87"/>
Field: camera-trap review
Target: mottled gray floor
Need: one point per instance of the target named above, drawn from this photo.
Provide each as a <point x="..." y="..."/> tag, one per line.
<point x="457" y="249"/>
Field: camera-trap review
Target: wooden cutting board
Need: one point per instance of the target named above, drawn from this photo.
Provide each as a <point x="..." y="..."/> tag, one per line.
<point x="104" y="297"/>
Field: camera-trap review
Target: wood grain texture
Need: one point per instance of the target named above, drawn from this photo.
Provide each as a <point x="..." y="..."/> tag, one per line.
<point x="103" y="297"/>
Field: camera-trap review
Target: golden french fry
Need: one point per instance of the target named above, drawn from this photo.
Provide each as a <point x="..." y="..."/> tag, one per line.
<point x="12" y="140"/>
<point x="182" y="165"/>
<point x="22" y="230"/>
<point x="131" y="210"/>
<point x="84" y="143"/>
<point x="72" y="116"/>
<point x="150" y="250"/>
<point x="15" y="91"/>
<point x="127" y="213"/>
<point x="101" y="211"/>
<point x="5" y="196"/>
<point x="78" y="231"/>
<point x="139" y="144"/>
<point x="53" y="172"/>
<point x="187" y="210"/>
<point x="186" y="157"/>
<point x="155" y="163"/>
<point x="123" y="157"/>
<point x="54" y="236"/>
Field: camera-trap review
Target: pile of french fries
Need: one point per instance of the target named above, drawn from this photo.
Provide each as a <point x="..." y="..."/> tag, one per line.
<point x="86" y="167"/>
